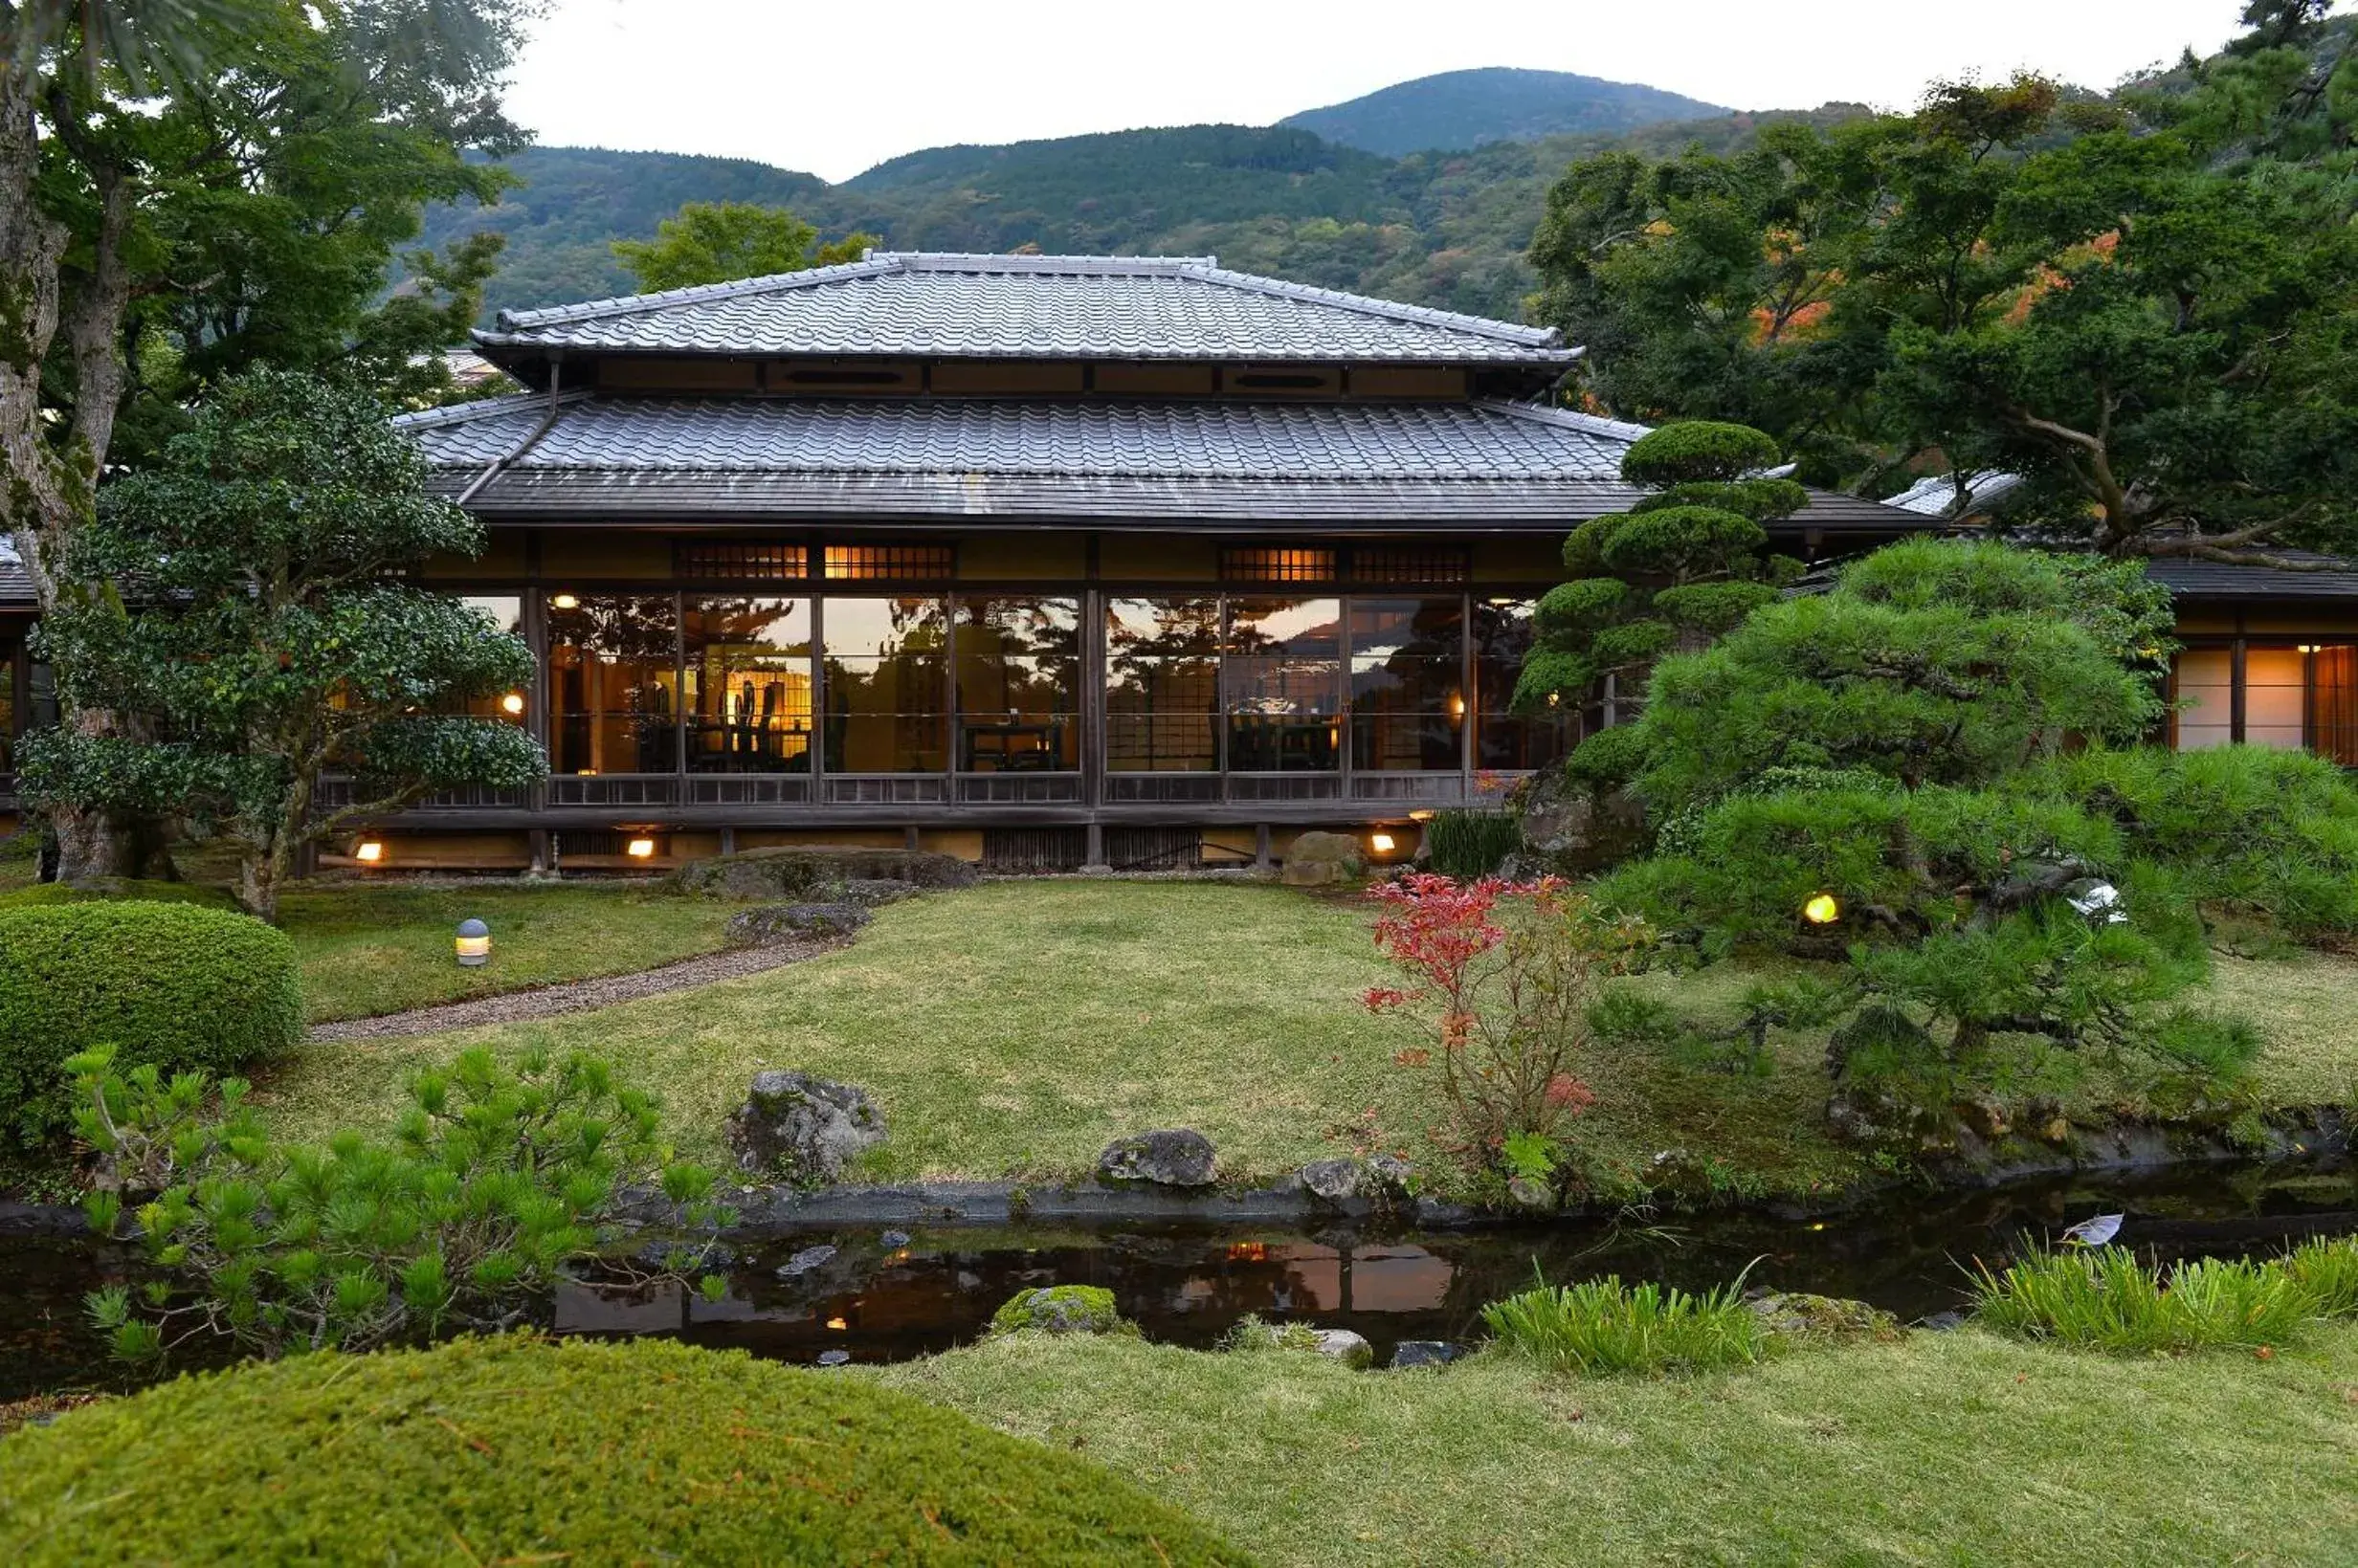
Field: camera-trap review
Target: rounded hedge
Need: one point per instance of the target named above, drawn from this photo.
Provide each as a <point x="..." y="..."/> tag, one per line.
<point x="523" y="1449"/>
<point x="1697" y="449"/>
<point x="173" y="984"/>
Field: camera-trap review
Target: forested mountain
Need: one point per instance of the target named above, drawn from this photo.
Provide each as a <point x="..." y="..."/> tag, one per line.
<point x="1444" y="228"/>
<point x="1460" y="109"/>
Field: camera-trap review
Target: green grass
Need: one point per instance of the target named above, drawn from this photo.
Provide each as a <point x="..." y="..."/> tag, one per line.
<point x="1602" y="1325"/>
<point x="1014" y="1028"/>
<point x="381" y="949"/>
<point x="1948" y="1448"/>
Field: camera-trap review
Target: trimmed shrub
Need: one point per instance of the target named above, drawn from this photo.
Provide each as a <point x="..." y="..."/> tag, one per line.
<point x="169" y="985"/>
<point x="516" y="1448"/>
<point x="1469" y="843"/>
<point x="2255" y="830"/>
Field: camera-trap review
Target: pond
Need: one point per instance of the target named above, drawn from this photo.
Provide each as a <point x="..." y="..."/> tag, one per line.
<point x="888" y="1295"/>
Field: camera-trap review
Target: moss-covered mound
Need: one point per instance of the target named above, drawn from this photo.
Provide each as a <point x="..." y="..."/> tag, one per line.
<point x="518" y="1450"/>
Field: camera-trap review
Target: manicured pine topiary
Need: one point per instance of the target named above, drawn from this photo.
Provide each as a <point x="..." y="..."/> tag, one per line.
<point x="518" y="1450"/>
<point x="176" y="987"/>
<point x="1676" y="571"/>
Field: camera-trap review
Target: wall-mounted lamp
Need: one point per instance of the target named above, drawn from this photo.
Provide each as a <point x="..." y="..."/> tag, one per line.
<point x="640" y="848"/>
<point x="512" y="704"/>
<point x="1822" y="908"/>
<point x="563" y="601"/>
<point x="474" y="945"/>
<point x="2309" y="647"/>
<point x="370" y="852"/>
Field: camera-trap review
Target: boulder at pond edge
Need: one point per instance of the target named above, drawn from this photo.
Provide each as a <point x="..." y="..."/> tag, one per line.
<point x="1177" y="1156"/>
<point x="801" y="1129"/>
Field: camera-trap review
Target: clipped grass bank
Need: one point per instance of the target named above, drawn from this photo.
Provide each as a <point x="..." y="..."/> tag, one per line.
<point x="1012" y="1031"/>
<point x="1939" y="1448"/>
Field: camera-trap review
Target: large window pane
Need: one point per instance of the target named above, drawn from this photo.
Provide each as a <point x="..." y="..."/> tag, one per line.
<point x="1019" y="679"/>
<point x="505" y="611"/>
<point x="1408" y="684"/>
<point x="2275" y="701"/>
<point x="884" y="685"/>
<point x="613" y="684"/>
<point x="1282" y="685"/>
<point x="2333" y="703"/>
<point x="1504" y="740"/>
<point x="749" y="673"/>
<point x="1162" y="685"/>
<point x="2206" y="696"/>
<point x="8" y="708"/>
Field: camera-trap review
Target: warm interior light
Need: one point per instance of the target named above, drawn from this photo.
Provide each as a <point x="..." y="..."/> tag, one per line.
<point x="1457" y="706"/>
<point x="1380" y="842"/>
<point x="1822" y="908"/>
<point x="371" y="851"/>
<point x="565" y="601"/>
<point x="837" y="1324"/>
<point x="2306" y="647"/>
<point x="1420" y="816"/>
<point x="512" y="704"/>
<point x="640" y="848"/>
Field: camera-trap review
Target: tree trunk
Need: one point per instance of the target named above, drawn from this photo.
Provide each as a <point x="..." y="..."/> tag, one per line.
<point x="262" y="872"/>
<point x="50" y="488"/>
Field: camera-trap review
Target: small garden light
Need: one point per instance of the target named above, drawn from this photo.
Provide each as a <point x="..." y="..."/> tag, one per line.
<point x="474" y="945"/>
<point x="1822" y="908"/>
<point x="1380" y="842"/>
<point x="370" y="852"/>
<point x="640" y="848"/>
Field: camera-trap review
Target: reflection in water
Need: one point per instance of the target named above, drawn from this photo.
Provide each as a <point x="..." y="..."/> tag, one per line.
<point x="1189" y="1284"/>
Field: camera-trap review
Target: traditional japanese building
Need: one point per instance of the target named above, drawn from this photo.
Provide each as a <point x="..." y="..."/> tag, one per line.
<point x="1046" y="561"/>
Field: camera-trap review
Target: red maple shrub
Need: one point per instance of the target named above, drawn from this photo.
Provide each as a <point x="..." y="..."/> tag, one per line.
<point x="1506" y="973"/>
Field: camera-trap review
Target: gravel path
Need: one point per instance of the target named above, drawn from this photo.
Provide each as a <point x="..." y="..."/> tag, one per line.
<point x="574" y="996"/>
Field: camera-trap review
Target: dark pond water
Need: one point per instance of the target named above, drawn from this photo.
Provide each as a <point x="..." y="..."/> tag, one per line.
<point x="883" y="1298"/>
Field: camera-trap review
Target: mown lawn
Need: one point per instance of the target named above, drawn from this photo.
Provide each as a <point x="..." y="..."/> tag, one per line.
<point x="1942" y="1449"/>
<point x="1013" y="1029"/>
<point x="368" y="950"/>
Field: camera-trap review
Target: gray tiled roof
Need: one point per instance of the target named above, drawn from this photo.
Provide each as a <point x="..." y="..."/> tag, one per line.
<point x="1935" y="495"/>
<point x="911" y="303"/>
<point x="2324" y="577"/>
<point x="1396" y="465"/>
<point x="15" y="587"/>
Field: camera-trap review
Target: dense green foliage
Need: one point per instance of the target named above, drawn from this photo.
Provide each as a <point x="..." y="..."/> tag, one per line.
<point x="174" y="986"/>
<point x="2138" y="304"/>
<point x="1460" y="109"/>
<point x="1467" y="844"/>
<point x="490" y="1184"/>
<point x="1679" y="568"/>
<point x="1604" y="1326"/>
<point x="242" y="598"/>
<point x="510" y="1449"/>
<point x="2104" y="1298"/>
<point x="719" y="242"/>
<point x="1447" y="229"/>
<point x="1929" y="662"/>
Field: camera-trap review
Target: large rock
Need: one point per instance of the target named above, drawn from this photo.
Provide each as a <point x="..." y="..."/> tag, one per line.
<point x="1178" y="1157"/>
<point x="803" y="872"/>
<point x="802" y="1129"/>
<point x="1567" y="829"/>
<point x="773" y="923"/>
<point x="1059" y="1309"/>
<point x="1322" y="859"/>
<point x="1379" y="1178"/>
<point x="1797" y="1314"/>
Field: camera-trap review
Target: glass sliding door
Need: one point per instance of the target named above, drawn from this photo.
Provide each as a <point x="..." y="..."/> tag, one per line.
<point x="2333" y="703"/>
<point x="748" y="671"/>
<point x="1018" y="685"/>
<point x="1507" y="742"/>
<point x="887" y="695"/>
<point x="1408" y="685"/>
<point x="614" y="682"/>
<point x="1282" y="685"/>
<point x="507" y="613"/>
<point x="1163" y="685"/>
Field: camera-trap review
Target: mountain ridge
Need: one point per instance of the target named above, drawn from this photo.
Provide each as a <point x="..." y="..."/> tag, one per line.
<point x="1453" y="111"/>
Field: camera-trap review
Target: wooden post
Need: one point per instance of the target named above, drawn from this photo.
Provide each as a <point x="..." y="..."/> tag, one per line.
<point x="1260" y="846"/>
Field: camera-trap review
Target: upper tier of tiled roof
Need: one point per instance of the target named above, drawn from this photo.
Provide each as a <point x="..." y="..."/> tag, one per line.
<point x="2316" y="577"/>
<point x="917" y="304"/>
<point x="1393" y="465"/>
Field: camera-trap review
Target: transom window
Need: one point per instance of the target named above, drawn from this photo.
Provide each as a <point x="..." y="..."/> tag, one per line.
<point x="1257" y="563"/>
<point x="889" y="562"/>
<point x="767" y="561"/>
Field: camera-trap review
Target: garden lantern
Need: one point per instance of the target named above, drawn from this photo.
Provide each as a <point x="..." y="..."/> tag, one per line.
<point x="640" y="848"/>
<point x="1822" y="908"/>
<point x="370" y="852"/>
<point x="474" y="945"/>
<point x="1380" y="842"/>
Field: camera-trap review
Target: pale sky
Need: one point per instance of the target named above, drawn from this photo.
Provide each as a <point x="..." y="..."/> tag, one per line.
<point x="836" y="86"/>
